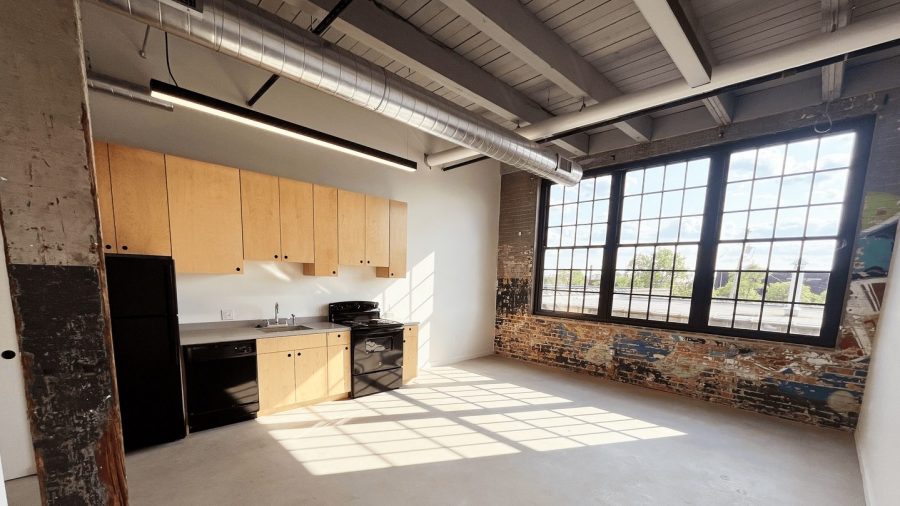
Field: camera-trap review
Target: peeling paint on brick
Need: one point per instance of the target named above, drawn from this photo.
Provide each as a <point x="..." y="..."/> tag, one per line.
<point x="812" y="385"/>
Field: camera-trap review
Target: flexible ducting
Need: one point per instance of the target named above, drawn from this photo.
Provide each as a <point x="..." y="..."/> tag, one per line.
<point x="246" y="32"/>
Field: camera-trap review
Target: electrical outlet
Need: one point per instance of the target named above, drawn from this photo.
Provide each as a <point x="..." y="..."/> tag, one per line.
<point x="228" y="314"/>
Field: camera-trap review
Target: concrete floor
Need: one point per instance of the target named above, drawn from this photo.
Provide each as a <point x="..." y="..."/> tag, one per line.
<point x="497" y="431"/>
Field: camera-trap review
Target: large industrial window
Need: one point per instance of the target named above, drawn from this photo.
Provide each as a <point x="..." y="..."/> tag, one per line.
<point x="750" y="239"/>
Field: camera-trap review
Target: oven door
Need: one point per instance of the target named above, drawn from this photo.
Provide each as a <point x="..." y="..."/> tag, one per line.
<point x="377" y="350"/>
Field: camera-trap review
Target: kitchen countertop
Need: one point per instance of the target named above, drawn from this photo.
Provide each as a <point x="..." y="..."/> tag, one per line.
<point x="222" y="332"/>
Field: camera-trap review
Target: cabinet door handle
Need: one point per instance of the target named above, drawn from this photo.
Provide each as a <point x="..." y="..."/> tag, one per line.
<point x="289" y="354"/>
<point x="237" y="269"/>
<point x="276" y="256"/>
<point x="125" y="248"/>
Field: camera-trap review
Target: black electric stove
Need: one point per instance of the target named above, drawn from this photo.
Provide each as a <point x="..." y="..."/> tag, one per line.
<point x="376" y="351"/>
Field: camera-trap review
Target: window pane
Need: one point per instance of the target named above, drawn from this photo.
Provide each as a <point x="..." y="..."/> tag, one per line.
<point x="671" y="203"/>
<point x="734" y="226"/>
<point x="582" y="235"/>
<point x="694" y="200"/>
<point x="790" y="222"/>
<point x="679" y="310"/>
<point x="737" y="196"/>
<point x="740" y="165"/>
<point x="781" y="283"/>
<point x="728" y="257"/>
<point x="807" y="320"/>
<point x="686" y="257"/>
<point x="775" y="317"/>
<point x="721" y="313"/>
<point x="765" y="193"/>
<point x="631" y="208"/>
<point x="769" y="161"/>
<point x="550" y="259"/>
<point x="653" y="179"/>
<point x="649" y="230"/>
<point x="795" y="190"/>
<point x="829" y="187"/>
<point x="659" y="308"/>
<point x="668" y="229"/>
<point x="586" y="190"/>
<point x="620" y="305"/>
<point x="623" y="281"/>
<point x="554" y="217"/>
<point x="835" y="151"/>
<point x="628" y="232"/>
<point x="801" y="156"/>
<point x="634" y="182"/>
<point x="598" y="235"/>
<point x="556" y="194"/>
<point x="697" y="173"/>
<point x="760" y="224"/>
<point x="625" y="258"/>
<point x="675" y="175"/>
<point x="573" y="256"/>
<point x="601" y="187"/>
<point x="690" y="229"/>
<point x="824" y="220"/>
<point x="650" y="205"/>
<point x="817" y="255"/>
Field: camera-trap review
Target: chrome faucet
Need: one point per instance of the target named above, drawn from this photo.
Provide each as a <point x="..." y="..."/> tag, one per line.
<point x="276" y="313"/>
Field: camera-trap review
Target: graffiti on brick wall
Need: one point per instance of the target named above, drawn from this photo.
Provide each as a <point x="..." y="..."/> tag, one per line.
<point x="874" y="246"/>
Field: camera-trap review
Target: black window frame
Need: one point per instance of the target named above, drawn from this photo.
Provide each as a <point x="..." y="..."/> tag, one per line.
<point x="701" y="298"/>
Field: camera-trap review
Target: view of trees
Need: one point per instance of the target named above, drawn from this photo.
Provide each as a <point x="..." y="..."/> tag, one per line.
<point x="752" y="285"/>
<point x="643" y="264"/>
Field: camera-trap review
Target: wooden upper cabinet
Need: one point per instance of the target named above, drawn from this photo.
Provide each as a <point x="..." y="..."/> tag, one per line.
<point x="397" y="256"/>
<point x="297" y="221"/>
<point x="325" y="210"/>
<point x="351" y="228"/>
<point x="139" y="199"/>
<point x="260" y="216"/>
<point x="107" y="239"/>
<point x="377" y="231"/>
<point x="205" y="210"/>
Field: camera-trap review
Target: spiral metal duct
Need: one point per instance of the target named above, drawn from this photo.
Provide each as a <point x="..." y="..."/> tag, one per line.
<point x="246" y="32"/>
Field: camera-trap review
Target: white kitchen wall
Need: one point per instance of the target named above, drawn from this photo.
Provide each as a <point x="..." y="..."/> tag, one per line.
<point x="877" y="435"/>
<point x="453" y="216"/>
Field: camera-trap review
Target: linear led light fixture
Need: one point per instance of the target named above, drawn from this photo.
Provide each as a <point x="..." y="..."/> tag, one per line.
<point x="222" y="109"/>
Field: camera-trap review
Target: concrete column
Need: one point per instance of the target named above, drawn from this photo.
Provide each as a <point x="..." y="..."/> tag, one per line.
<point x="57" y="283"/>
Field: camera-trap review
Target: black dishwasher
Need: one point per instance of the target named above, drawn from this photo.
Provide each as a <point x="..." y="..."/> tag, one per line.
<point x="220" y="383"/>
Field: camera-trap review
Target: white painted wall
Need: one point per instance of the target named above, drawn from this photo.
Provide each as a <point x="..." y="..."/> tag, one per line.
<point x="15" y="434"/>
<point x="453" y="216"/>
<point x="878" y="432"/>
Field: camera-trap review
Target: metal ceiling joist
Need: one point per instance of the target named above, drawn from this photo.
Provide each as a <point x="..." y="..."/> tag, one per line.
<point x="396" y="38"/>
<point x="515" y="28"/>
<point x="835" y="15"/>
<point x="861" y="35"/>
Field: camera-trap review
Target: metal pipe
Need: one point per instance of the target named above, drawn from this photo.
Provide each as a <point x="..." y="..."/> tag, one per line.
<point x="245" y="32"/>
<point x="820" y="48"/>
<point x="126" y="90"/>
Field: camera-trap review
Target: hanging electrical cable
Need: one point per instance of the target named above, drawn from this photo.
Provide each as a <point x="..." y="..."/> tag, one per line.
<point x="168" y="65"/>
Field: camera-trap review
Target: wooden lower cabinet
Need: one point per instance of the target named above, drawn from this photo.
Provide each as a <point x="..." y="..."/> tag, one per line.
<point x="338" y="370"/>
<point x="311" y="373"/>
<point x="410" y="352"/>
<point x="275" y="375"/>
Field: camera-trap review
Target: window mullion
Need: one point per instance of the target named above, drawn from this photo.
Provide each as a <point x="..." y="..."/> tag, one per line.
<point x="611" y="248"/>
<point x="706" y="254"/>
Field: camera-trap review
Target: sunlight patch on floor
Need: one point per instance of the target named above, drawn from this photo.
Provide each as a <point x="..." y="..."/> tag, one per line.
<point x="352" y="435"/>
<point x="347" y="448"/>
<point x="558" y="429"/>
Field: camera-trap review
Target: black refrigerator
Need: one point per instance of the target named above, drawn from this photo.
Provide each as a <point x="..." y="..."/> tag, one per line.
<point x="147" y="349"/>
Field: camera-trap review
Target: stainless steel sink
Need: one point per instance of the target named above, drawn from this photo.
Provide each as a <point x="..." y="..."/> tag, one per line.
<point x="283" y="328"/>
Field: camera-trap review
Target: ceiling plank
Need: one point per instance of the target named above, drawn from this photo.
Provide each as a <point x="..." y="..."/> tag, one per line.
<point x="835" y="14"/>
<point x="523" y="34"/>
<point x="671" y="26"/>
<point x="396" y="38"/>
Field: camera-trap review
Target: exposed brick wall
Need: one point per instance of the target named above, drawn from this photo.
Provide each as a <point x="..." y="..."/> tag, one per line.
<point x="815" y="385"/>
